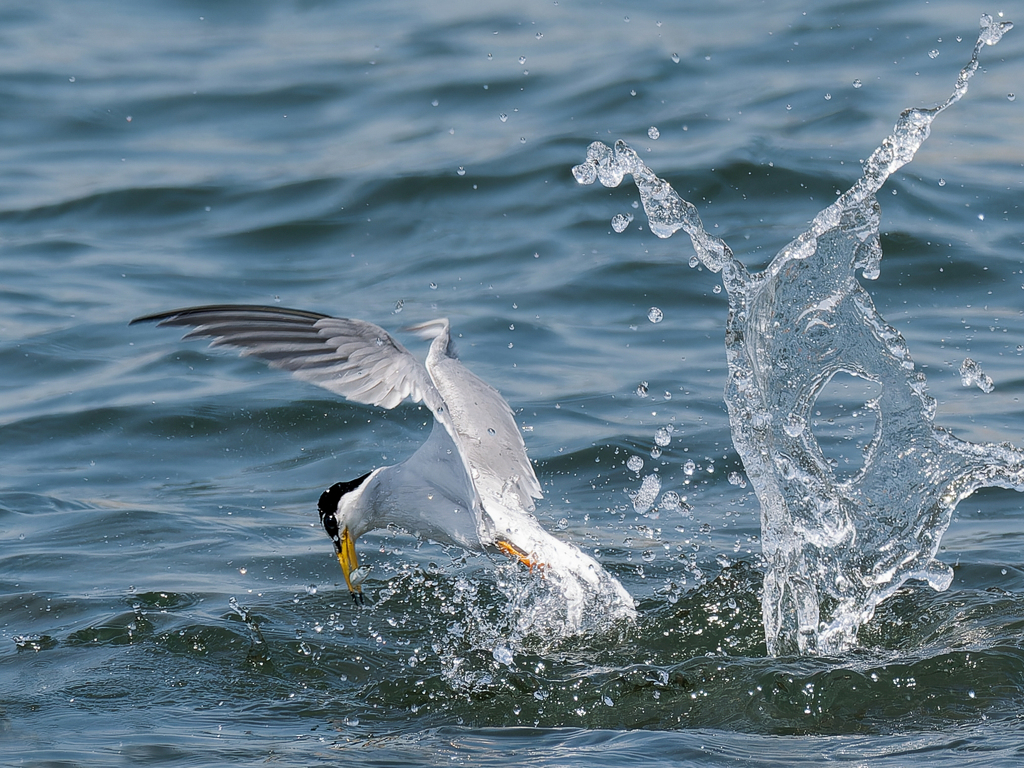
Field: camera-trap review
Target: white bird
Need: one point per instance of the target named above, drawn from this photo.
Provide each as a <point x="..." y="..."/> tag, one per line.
<point x="470" y="484"/>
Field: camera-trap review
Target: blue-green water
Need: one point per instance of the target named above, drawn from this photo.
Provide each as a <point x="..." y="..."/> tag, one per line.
<point x="166" y="593"/>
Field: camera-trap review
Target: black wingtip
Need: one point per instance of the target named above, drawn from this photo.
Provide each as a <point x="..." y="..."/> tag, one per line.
<point x="196" y="312"/>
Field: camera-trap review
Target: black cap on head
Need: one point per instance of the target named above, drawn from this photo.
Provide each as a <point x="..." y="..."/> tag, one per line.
<point x="328" y="504"/>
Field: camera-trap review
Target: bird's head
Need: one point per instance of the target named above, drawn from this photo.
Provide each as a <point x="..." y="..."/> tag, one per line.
<point x="339" y="514"/>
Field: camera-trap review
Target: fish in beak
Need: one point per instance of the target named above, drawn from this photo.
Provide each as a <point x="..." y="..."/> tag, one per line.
<point x="349" y="561"/>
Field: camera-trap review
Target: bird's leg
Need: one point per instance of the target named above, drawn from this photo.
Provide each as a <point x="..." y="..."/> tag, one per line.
<point x="516" y="553"/>
<point x="357" y="598"/>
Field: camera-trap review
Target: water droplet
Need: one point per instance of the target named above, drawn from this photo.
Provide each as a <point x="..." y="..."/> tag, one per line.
<point x="635" y="463"/>
<point x="653" y="133"/>
<point x="490" y="431"/>
<point x="689" y="467"/>
<point x="626" y="19"/>
<point x="971" y="374"/>
<point x="434" y="103"/>
<point x="857" y="83"/>
<point x="522" y="139"/>
<point x="655" y="315"/>
<point x="585" y="173"/>
<point x="562" y="524"/>
<point x="662" y="437"/>
<point x="648" y="555"/>
<point x="620" y="221"/>
<point x="433" y="286"/>
<point x="717" y="289"/>
<point x="71" y="79"/>
<point x="694" y="261"/>
<point x="503" y="117"/>
<point x="461" y="171"/>
<point x="933" y="53"/>
<point x="735" y="478"/>
<point x="645" y="496"/>
<point x="789" y="107"/>
<point x="641" y="389"/>
<point x="828" y="97"/>
<point x="522" y="59"/>
<point x="311" y="589"/>
<point x="539" y="35"/>
<point x="670" y="501"/>
<point x="675" y="57"/>
<point x="503" y="655"/>
<point x="795" y="425"/>
<point x="942" y="182"/>
<point x="1011" y="96"/>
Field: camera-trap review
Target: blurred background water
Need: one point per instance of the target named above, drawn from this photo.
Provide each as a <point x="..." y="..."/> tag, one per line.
<point x="166" y="593"/>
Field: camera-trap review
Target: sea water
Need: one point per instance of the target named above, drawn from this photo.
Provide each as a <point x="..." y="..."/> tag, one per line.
<point x="166" y="593"/>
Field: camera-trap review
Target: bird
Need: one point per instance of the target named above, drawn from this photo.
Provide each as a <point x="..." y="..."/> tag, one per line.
<point x="471" y="483"/>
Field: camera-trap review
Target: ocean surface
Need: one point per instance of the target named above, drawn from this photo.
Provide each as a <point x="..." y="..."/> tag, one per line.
<point x="167" y="596"/>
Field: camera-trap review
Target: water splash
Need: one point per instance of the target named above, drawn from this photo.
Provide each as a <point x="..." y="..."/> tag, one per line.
<point x="620" y="221"/>
<point x="644" y="497"/>
<point x="834" y="549"/>
<point x="972" y="375"/>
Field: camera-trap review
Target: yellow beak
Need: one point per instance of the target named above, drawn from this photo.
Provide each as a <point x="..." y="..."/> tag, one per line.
<point x="348" y="560"/>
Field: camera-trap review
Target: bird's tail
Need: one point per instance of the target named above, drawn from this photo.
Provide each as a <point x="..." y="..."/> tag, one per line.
<point x="589" y="597"/>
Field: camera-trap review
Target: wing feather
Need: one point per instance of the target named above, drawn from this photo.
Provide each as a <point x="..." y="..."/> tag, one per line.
<point x="485" y="431"/>
<point x="355" y="359"/>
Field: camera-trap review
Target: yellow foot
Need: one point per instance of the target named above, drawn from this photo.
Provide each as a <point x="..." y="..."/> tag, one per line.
<point x="517" y="554"/>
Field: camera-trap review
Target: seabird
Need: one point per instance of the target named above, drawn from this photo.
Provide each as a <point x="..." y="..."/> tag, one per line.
<point x="470" y="484"/>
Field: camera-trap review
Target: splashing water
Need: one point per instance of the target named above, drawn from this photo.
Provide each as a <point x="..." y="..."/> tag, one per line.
<point x="833" y="549"/>
<point x="644" y="497"/>
<point x="971" y="375"/>
<point x="620" y="221"/>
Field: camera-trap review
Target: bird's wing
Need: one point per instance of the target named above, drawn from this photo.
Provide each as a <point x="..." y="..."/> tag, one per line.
<point x="484" y="430"/>
<point x="352" y="358"/>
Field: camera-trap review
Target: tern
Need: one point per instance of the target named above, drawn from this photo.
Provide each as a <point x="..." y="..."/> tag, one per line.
<point x="470" y="484"/>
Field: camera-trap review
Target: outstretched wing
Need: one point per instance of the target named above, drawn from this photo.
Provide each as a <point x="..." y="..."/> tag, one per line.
<point x="484" y="429"/>
<point x="352" y="358"/>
